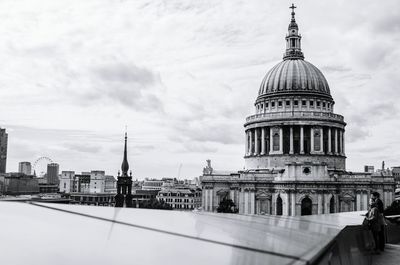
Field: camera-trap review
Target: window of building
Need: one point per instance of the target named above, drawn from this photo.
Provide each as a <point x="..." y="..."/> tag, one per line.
<point x="273" y="104"/>
<point x="287" y="102"/>
<point x="312" y="103"/>
<point x="296" y="103"/>
<point x="318" y="104"/>
<point x="306" y="206"/>
<point x="279" y="204"/>
<point x="304" y="103"/>
<point x="276" y="142"/>
<point x="262" y="106"/>
<point x="266" y="104"/>
<point x="317" y="139"/>
<point x="323" y="104"/>
<point x="279" y="103"/>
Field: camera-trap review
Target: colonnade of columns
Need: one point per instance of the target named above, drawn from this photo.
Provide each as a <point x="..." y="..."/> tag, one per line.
<point x="295" y="139"/>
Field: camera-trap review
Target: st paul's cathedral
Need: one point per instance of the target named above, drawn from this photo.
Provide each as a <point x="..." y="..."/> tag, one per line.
<point x="295" y="162"/>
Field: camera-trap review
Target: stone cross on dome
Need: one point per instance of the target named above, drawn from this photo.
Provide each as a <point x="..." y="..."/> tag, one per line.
<point x="293" y="7"/>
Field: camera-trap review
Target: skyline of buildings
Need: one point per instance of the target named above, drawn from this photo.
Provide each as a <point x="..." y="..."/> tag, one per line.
<point x="180" y="126"/>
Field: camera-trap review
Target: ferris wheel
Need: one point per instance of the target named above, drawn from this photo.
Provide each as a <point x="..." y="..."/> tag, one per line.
<point x="40" y="165"/>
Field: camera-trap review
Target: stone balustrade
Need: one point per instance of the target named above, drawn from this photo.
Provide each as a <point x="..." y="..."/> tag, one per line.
<point x="267" y="116"/>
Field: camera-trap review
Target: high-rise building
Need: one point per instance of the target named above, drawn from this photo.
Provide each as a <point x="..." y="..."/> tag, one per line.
<point x="25" y="167"/>
<point x="3" y="150"/>
<point x="52" y="173"/>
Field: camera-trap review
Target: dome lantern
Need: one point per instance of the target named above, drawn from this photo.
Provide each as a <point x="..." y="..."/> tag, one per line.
<point x="293" y="40"/>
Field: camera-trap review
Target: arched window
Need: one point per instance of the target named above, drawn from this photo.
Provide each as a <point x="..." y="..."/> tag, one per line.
<point x="275" y="141"/>
<point x="306" y="206"/>
<point x="279" y="205"/>
<point x="317" y="140"/>
<point x="332" y="205"/>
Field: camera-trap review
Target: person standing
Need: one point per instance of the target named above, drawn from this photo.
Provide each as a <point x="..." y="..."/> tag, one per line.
<point x="380" y="206"/>
<point x="374" y="226"/>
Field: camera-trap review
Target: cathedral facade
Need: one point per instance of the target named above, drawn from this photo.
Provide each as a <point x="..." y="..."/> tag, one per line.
<point x="295" y="162"/>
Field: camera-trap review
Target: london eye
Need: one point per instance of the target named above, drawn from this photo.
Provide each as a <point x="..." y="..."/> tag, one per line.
<point x="40" y="166"/>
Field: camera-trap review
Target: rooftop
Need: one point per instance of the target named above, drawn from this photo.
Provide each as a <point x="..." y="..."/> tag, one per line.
<point x="109" y="235"/>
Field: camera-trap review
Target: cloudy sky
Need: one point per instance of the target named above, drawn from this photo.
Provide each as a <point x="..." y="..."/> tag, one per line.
<point x="182" y="76"/>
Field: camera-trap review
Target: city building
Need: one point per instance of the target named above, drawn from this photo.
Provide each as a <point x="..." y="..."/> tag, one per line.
<point x="18" y="184"/>
<point x="3" y="150"/>
<point x="97" y="181"/>
<point x="295" y="162"/>
<point x="369" y="169"/>
<point x="95" y="199"/>
<point x="396" y="175"/>
<point x="110" y="184"/>
<point x="88" y="182"/>
<point x="68" y="182"/>
<point x="181" y="199"/>
<point x="52" y="174"/>
<point x="48" y="188"/>
<point x="140" y="197"/>
<point x="152" y="184"/>
<point x="25" y="168"/>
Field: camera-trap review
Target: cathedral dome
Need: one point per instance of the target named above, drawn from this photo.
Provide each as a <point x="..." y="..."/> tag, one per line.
<point x="294" y="76"/>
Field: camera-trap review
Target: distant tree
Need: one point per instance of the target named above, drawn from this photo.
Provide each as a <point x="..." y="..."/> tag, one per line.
<point x="393" y="209"/>
<point x="227" y="206"/>
<point x="155" y="204"/>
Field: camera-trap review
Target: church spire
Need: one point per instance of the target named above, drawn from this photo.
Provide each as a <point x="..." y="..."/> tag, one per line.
<point x="125" y="165"/>
<point x="293" y="39"/>
<point x="124" y="182"/>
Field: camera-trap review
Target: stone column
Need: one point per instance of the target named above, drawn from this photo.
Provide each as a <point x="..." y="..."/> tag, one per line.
<point x="246" y="202"/>
<point x="343" y="143"/>
<point x="252" y="202"/>
<point x="286" y="205"/>
<point x="210" y="200"/>
<point x="271" y="142"/>
<point x="280" y="140"/>
<point x="251" y="142"/>
<point x="320" y="207"/>
<point x="232" y="196"/>
<point x="329" y="141"/>
<point x="291" y="141"/>
<point x="205" y="201"/>
<point x="301" y="139"/>
<point x="263" y="141"/>
<point x="336" y="142"/>
<point x="246" y="152"/>
<point x="358" y="201"/>
<point x="340" y="141"/>
<point x="365" y="201"/>
<point x="312" y="140"/>
<point x="256" y="149"/>
<point x="241" y="201"/>
<point x="321" y="140"/>
<point x="293" y="203"/>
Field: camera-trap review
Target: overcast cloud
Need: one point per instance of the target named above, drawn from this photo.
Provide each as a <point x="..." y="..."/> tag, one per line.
<point x="183" y="75"/>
